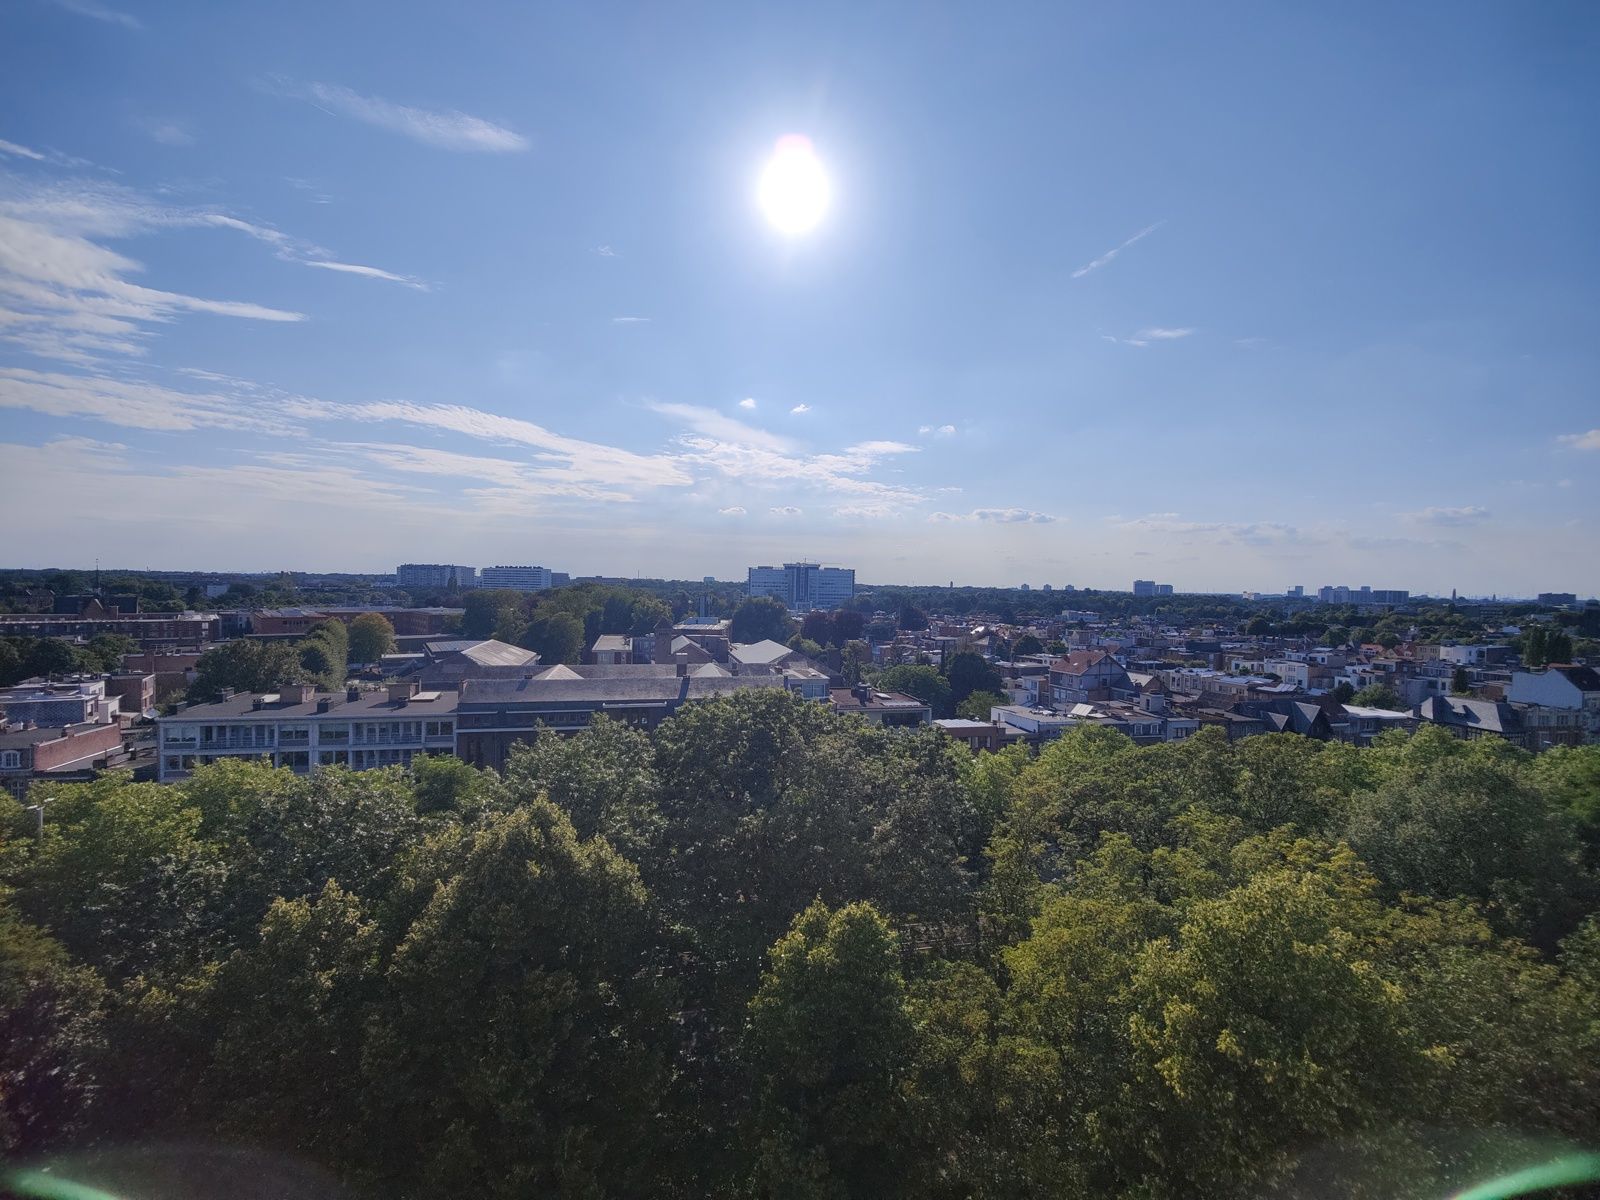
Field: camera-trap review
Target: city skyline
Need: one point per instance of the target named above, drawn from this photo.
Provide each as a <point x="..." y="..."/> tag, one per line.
<point x="1082" y="297"/>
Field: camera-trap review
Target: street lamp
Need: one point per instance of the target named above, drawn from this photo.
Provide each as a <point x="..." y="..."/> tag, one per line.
<point x="38" y="816"/>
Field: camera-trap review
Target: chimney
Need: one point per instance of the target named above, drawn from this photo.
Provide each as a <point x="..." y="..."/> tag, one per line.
<point x="863" y="693"/>
<point x="255" y="705"/>
<point x="681" y="662"/>
<point x="352" y="694"/>
<point x="298" y="693"/>
<point x="225" y="693"/>
<point x="399" y="693"/>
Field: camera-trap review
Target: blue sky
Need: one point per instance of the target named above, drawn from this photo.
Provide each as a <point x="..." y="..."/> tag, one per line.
<point x="1235" y="296"/>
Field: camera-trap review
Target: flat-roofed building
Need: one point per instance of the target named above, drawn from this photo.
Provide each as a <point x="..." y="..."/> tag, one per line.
<point x="30" y="756"/>
<point x="303" y="729"/>
<point x="803" y="586"/>
<point x="519" y="579"/>
<point x="435" y="575"/>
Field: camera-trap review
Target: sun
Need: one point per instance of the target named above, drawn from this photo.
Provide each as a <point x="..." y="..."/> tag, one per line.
<point x="794" y="191"/>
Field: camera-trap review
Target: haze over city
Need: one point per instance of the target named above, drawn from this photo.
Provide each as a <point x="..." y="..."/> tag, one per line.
<point x="1240" y="300"/>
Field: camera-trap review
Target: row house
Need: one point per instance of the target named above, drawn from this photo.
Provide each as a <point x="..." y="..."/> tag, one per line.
<point x="1560" y="705"/>
<point x="32" y="756"/>
<point x="1085" y="676"/>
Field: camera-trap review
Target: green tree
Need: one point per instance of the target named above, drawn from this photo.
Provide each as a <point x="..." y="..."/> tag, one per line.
<point x="1343" y="692"/>
<point x="977" y="705"/>
<point x="603" y="778"/>
<point x="911" y="618"/>
<point x="1558" y="647"/>
<point x="1477" y="830"/>
<point x="555" y="637"/>
<point x="967" y="673"/>
<point x="1461" y="682"/>
<point x="125" y="880"/>
<point x="925" y="683"/>
<point x="761" y="618"/>
<point x="371" y="637"/>
<point x="830" y="1047"/>
<point x="51" y="656"/>
<point x="1025" y="646"/>
<point x="1336" y="635"/>
<point x="290" y="1012"/>
<point x="816" y="626"/>
<point x="246" y="665"/>
<point x="105" y="651"/>
<point x="1377" y="695"/>
<point x="325" y="654"/>
<point x="855" y="661"/>
<point x="1535" y="652"/>
<point x="51" y="1038"/>
<point x="487" y="609"/>
<point x="647" y="613"/>
<point x="1258" y="626"/>
<point x="848" y="625"/>
<point x="553" y="939"/>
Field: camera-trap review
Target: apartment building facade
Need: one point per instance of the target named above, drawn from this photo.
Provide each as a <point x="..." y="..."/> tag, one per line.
<point x="803" y="586"/>
<point x="303" y="729"/>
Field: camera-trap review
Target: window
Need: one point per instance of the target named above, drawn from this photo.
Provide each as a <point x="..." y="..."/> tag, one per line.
<point x="10" y="760"/>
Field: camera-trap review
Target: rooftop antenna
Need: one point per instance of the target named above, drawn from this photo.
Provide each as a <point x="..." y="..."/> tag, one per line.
<point x="96" y="585"/>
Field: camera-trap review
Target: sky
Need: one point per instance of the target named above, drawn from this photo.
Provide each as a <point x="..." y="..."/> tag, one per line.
<point x="1232" y="296"/>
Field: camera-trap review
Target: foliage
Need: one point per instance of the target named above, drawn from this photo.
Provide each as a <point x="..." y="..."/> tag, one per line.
<point x="765" y="949"/>
<point x="925" y="683"/>
<point x="246" y="665"/>
<point x="1377" y="695"/>
<point x="761" y="618"/>
<point x="977" y="705"/>
<point x="967" y="673"/>
<point x="371" y="637"/>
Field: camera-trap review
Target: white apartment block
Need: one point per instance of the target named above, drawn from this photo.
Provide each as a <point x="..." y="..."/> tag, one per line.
<point x="520" y="579"/>
<point x="303" y="729"/>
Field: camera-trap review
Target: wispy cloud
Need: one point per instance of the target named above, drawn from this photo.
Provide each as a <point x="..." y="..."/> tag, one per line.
<point x="747" y="402"/>
<point x="1144" y="337"/>
<point x="785" y="510"/>
<point x="445" y="130"/>
<point x="605" y="252"/>
<point x="713" y="424"/>
<point x="801" y="408"/>
<point x="166" y="132"/>
<point x="91" y="8"/>
<point x="999" y="516"/>
<point x="16" y="151"/>
<point x="1250" y="533"/>
<point x="1109" y="255"/>
<point x="63" y="296"/>
<point x="734" y="510"/>
<point x="936" y="430"/>
<point x="369" y="272"/>
<point x="630" y="320"/>
<point x="1581" y="441"/>
<point x="1468" y="514"/>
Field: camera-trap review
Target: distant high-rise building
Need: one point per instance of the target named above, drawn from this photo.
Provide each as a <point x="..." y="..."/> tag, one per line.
<point x="520" y="579"/>
<point x="1297" y="592"/>
<point x="804" y="586"/>
<point x="435" y="575"/>
<point x="1163" y="589"/>
<point x="1557" y="599"/>
<point x="1144" y="587"/>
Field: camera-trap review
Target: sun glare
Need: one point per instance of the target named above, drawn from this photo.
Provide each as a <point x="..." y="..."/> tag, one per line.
<point x="794" y="191"/>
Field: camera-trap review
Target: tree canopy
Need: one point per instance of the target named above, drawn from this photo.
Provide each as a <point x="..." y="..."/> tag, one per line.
<point x="766" y="949"/>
